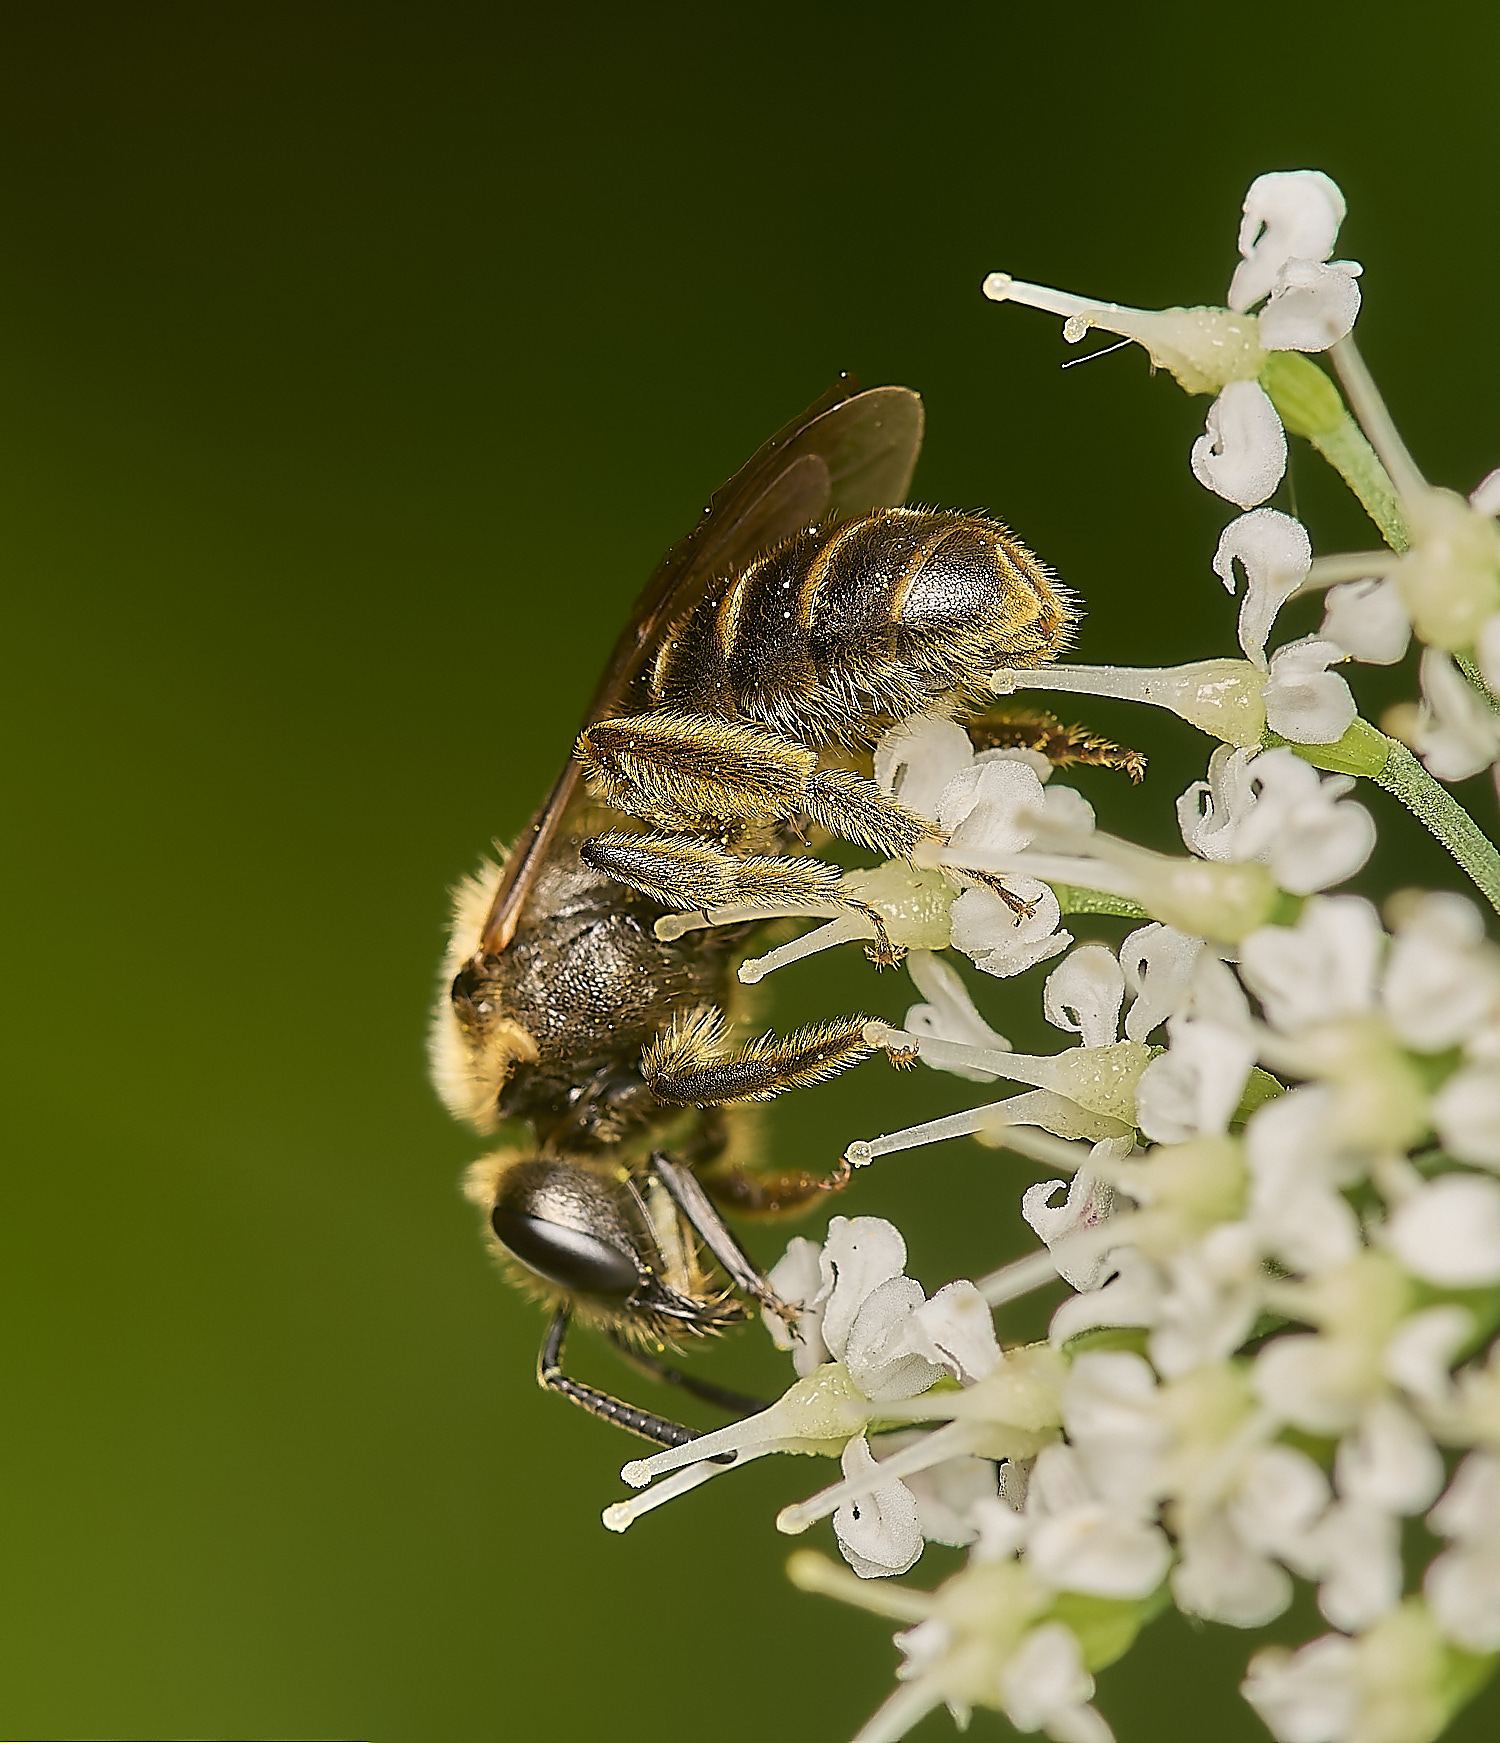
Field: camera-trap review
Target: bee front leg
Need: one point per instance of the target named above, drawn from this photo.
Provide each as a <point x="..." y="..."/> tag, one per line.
<point x="645" y="1423"/>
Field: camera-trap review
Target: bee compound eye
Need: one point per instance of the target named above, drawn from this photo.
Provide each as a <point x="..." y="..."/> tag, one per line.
<point x="565" y="1256"/>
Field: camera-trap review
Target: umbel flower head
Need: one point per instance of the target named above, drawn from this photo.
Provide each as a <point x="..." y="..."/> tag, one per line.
<point x="1262" y="1165"/>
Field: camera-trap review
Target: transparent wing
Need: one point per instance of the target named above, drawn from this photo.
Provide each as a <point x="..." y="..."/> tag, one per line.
<point x="848" y="452"/>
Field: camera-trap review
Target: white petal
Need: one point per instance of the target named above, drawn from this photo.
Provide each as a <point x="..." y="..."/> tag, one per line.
<point x="859" y="1254"/>
<point x="1309" y="1696"/>
<point x="1487" y="643"/>
<point x="1312" y="306"/>
<point x="1295" y="1208"/>
<point x="1471" y="1507"/>
<point x="916" y="760"/>
<point x="1113" y="1414"/>
<point x="1439" y="988"/>
<point x="1467" y="1115"/>
<point x="1359" y="1548"/>
<point x="1305" y="702"/>
<point x="1215" y="1293"/>
<point x="955" y="1330"/>
<point x="951" y="1014"/>
<point x="1241" y="455"/>
<point x="1133" y="1298"/>
<point x="1210" y="812"/>
<point x="1368" y="621"/>
<point x="1001" y="1527"/>
<point x="1322" y="968"/>
<point x="1419" y="1357"/>
<point x="877" y="1351"/>
<point x="1221" y="1578"/>
<point x="1457" y="733"/>
<point x="1463" y="1587"/>
<point x="1089" y="1202"/>
<point x="1288" y="215"/>
<point x="880" y="1534"/>
<point x="1276" y="554"/>
<point x="1191" y="1090"/>
<point x="1044" y="1677"/>
<point x="1001" y="942"/>
<point x="1158" y="964"/>
<point x="797" y="1278"/>
<point x="1065" y="808"/>
<point x="992" y="805"/>
<point x="1485" y="496"/>
<point x="1390" y="1463"/>
<point x="1310" y="1381"/>
<point x="1084" y="994"/>
<point x="1280" y="1496"/>
<point x="949" y="1496"/>
<point x="1448" y="1231"/>
<point x="1100" y="1550"/>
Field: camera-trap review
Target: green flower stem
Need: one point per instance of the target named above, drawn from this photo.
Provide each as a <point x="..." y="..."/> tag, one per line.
<point x="1472" y="672"/>
<point x="1363" y="750"/>
<point x="1432" y="804"/>
<point x="1310" y="405"/>
<point x="1073" y="899"/>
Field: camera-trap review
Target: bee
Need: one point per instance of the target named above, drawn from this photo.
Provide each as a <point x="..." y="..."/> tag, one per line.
<point x="805" y="615"/>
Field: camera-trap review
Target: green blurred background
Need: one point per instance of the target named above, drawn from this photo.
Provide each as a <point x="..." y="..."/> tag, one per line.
<point x="356" y="364"/>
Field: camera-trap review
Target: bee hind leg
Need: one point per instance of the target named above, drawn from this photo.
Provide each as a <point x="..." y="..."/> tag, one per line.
<point x="1016" y="725"/>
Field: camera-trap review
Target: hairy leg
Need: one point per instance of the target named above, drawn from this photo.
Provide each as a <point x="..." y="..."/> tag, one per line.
<point x="690" y="1062"/>
<point x="1027" y="728"/>
<point x="692" y="874"/>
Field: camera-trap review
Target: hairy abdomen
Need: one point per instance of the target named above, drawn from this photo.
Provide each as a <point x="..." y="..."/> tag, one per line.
<point x="851" y="625"/>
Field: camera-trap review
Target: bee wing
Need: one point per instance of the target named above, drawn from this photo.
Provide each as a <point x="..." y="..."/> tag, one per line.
<point x="848" y="452"/>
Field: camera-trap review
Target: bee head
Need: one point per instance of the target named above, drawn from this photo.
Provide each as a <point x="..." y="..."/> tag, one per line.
<point x="475" y="1046"/>
<point x="573" y="1228"/>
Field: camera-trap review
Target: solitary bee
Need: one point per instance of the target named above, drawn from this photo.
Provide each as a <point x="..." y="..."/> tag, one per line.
<point x="805" y="615"/>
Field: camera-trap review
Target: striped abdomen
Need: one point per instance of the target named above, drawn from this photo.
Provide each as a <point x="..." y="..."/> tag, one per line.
<point x="849" y="626"/>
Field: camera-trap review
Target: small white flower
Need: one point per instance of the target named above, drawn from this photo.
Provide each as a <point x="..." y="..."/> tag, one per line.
<point x="1450" y="578"/>
<point x="1158" y="964"/>
<point x="1389" y="1462"/>
<point x="1296" y="1168"/>
<point x="1044" y="1685"/>
<point x="1305" y="702"/>
<point x="1313" y="305"/>
<point x="1419" y="1358"/>
<point x="1081" y="1541"/>
<point x="1368" y="621"/>
<point x="1356" y="1551"/>
<point x="1463" y="1584"/>
<point x="1441" y="983"/>
<point x="1089" y="1202"/>
<point x="1308" y="1696"/>
<point x="1323" y="968"/>
<point x="1288" y="215"/>
<point x="1276" y="554"/>
<point x="1000" y="941"/>
<point x="1084" y="995"/>
<point x="797" y="1278"/>
<point x="1191" y="1090"/>
<point x="1241" y="455"/>
<point x="916" y="760"/>
<point x="1466" y="1113"/>
<point x="1214" y="1292"/>
<point x="880" y="1534"/>
<point x="1455" y="731"/>
<point x="1275" y="808"/>
<point x="1133" y="1297"/>
<point x="1448" y="1231"/>
<point x="950" y="1495"/>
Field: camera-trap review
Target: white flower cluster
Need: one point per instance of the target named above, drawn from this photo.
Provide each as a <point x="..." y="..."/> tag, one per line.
<point x="1275" y="1142"/>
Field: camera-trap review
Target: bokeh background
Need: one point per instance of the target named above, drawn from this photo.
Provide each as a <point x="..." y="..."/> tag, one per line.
<point x="356" y="364"/>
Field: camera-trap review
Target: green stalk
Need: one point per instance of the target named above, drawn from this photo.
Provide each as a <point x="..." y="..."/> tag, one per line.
<point x="1365" y="751"/>
<point x="1074" y="899"/>
<point x="1310" y="405"/>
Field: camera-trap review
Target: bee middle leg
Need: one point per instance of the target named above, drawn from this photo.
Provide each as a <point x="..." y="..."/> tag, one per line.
<point x="693" y="874"/>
